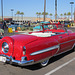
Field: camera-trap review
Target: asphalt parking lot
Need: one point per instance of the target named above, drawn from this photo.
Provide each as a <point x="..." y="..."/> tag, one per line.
<point x="60" y="65"/>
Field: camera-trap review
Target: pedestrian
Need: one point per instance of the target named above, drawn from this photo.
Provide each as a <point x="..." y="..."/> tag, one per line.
<point x="4" y="25"/>
<point x="28" y="23"/>
<point x="1" y="32"/>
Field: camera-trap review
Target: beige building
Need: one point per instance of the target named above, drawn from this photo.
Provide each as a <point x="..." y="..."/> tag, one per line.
<point x="21" y="19"/>
<point x="42" y="19"/>
<point x="26" y="18"/>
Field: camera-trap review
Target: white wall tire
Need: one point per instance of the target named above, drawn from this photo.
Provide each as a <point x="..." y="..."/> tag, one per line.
<point x="44" y="63"/>
<point x="74" y="49"/>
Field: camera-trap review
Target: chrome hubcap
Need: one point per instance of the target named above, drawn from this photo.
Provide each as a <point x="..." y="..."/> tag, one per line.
<point x="5" y="47"/>
<point x="45" y="62"/>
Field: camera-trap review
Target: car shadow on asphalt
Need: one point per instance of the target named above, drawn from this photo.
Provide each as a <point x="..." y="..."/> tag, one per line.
<point x="53" y="59"/>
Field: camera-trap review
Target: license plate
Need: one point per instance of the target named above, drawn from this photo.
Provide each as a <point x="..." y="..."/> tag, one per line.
<point x="2" y="59"/>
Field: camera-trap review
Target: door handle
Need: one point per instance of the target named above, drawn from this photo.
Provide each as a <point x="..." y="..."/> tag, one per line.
<point x="60" y="36"/>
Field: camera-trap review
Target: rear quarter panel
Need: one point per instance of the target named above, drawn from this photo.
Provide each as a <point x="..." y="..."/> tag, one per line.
<point x="40" y="44"/>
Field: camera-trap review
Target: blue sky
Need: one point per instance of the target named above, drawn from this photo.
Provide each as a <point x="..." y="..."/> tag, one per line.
<point x="30" y="7"/>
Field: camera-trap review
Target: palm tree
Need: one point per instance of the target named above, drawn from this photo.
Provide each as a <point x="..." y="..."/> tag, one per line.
<point x="46" y="13"/>
<point x="61" y="15"/>
<point x="22" y="13"/>
<point x="65" y="14"/>
<point x="18" y="13"/>
<point x="44" y="9"/>
<point x="74" y="15"/>
<point x="68" y="14"/>
<point x="37" y="14"/>
<point x="50" y="14"/>
<point x="56" y="14"/>
<point x="42" y="13"/>
<point x="55" y="10"/>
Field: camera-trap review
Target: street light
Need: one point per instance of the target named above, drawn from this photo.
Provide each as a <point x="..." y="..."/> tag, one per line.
<point x="71" y="8"/>
<point x="12" y="13"/>
<point x="2" y="9"/>
<point x="44" y="9"/>
<point x="15" y="16"/>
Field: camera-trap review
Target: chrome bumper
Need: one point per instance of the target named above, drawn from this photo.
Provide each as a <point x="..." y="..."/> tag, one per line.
<point x="21" y="63"/>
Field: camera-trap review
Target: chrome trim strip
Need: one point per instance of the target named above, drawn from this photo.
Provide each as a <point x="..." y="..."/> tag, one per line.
<point x="45" y="50"/>
<point x="66" y="50"/>
<point x="63" y="52"/>
<point x="67" y="41"/>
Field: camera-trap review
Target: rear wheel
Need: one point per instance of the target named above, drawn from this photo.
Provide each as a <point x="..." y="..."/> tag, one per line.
<point x="44" y="63"/>
<point x="74" y="48"/>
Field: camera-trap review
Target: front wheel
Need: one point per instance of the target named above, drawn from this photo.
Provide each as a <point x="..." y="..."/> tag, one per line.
<point x="44" y="63"/>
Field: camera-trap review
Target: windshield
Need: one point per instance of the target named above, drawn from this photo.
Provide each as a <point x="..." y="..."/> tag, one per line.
<point x="56" y="28"/>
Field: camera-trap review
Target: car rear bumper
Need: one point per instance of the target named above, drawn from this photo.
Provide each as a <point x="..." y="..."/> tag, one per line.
<point x="23" y="62"/>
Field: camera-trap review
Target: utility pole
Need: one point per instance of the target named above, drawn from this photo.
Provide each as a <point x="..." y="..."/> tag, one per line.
<point x="2" y="9"/>
<point x="44" y="9"/>
<point x="55" y="10"/>
<point x="12" y="13"/>
<point x="74" y="15"/>
<point x="71" y="8"/>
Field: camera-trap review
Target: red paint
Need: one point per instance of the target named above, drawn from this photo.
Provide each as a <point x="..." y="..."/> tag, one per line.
<point x="34" y="44"/>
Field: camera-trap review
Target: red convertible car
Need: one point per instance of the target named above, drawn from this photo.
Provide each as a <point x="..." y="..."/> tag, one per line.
<point x="36" y="47"/>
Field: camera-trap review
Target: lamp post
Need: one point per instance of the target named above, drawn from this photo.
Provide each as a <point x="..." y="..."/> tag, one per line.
<point x="15" y="16"/>
<point x="2" y="9"/>
<point x="12" y="13"/>
<point x="71" y="8"/>
<point x="44" y="9"/>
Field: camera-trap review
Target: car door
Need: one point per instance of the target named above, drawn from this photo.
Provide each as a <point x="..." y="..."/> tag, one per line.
<point x="64" y="41"/>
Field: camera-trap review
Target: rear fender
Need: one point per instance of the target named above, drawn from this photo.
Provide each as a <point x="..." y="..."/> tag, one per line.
<point x="10" y="42"/>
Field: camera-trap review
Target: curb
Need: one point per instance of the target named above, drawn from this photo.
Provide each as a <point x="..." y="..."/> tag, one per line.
<point x="20" y="31"/>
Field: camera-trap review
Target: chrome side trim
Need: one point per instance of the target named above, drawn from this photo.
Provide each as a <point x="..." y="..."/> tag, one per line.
<point x="67" y="41"/>
<point x="73" y="46"/>
<point x="45" y="50"/>
<point x="66" y="50"/>
<point x="63" y="52"/>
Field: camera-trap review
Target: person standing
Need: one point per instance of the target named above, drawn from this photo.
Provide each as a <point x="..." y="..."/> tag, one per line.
<point x="28" y="23"/>
<point x="4" y="25"/>
<point x="2" y="31"/>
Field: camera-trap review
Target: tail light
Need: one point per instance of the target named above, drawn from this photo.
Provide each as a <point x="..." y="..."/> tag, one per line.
<point x="24" y="50"/>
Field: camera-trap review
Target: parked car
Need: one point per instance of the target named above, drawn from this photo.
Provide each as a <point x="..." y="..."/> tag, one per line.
<point x="67" y="23"/>
<point x="1" y="25"/>
<point x="14" y="26"/>
<point x="39" y="27"/>
<point x="36" y="47"/>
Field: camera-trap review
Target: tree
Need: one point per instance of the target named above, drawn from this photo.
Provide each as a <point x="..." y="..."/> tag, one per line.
<point x="68" y="14"/>
<point x="18" y="13"/>
<point x="50" y="14"/>
<point x="44" y="9"/>
<point x="45" y="13"/>
<point x="65" y="14"/>
<point x="22" y="13"/>
<point x="61" y="15"/>
<point x="37" y="14"/>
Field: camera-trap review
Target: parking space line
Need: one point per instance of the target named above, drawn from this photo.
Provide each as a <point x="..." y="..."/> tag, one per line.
<point x="51" y="72"/>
